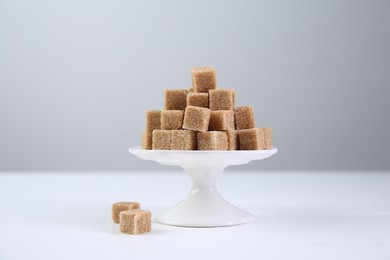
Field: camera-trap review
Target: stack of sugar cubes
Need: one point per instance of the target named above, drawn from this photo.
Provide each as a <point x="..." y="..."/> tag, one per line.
<point x="203" y="118"/>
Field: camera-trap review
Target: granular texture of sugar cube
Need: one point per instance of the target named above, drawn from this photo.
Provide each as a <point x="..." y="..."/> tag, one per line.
<point x="251" y="139"/>
<point x="234" y="99"/>
<point x="183" y="140"/>
<point x="196" y="118"/>
<point x="153" y="120"/>
<point x="213" y="140"/>
<point x="221" y="99"/>
<point x="122" y="206"/>
<point x="198" y="99"/>
<point x="146" y="140"/>
<point x="255" y="139"/>
<point x="203" y="79"/>
<point x="202" y="108"/>
<point x="161" y="140"/>
<point x="244" y="117"/>
<point x="221" y="120"/>
<point x="268" y="137"/>
<point x="233" y="139"/>
<point x="135" y="221"/>
<point x="172" y="119"/>
<point x="175" y="99"/>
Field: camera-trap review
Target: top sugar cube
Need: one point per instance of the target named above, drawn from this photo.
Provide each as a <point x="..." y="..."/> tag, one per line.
<point x="203" y="79"/>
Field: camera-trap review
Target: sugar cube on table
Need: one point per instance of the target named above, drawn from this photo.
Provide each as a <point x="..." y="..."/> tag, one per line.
<point x="221" y="99"/>
<point x="198" y="99"/>
<point x="172" y="119"/>
<point x="255" y="138"/>
<point x="203" y="79"/>
<point x="135" y="221"/>
<point x="221" y="120"/>
<point x="213" y="140"/>
<point x="175" y="99"/>
<point x="244" y="117"/>
<point x="122" y="206"/>
<point x="196" y="118"/>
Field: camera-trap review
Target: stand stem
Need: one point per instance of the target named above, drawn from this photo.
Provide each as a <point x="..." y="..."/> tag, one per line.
<point x="204" y="177"/>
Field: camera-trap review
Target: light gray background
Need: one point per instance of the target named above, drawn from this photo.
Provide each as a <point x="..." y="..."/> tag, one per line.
<point x="76" y="77"/>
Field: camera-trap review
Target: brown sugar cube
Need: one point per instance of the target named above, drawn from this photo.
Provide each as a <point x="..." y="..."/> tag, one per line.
<point x="255" y="139"/>
<point x="234" y="142"/>
<point x="268" y="137"/>
<point x="153" y="120"/>
<point x="174" y="140"/>
<point x="122" y="206"/>
<point x="221" y="120"/>
<point x="196" y="118"/>
<point x="213" y="140"/>
<point x="175" y="99"/>
<point x="203" y="79"/>
<point x="244" y="117"/>
<point x="221" y="99"/>
<point x="171" y="119"/>
<point x="183" y="140"/>
<point x="161" y="140"/>
<point x="198" y="99"/>
<point x="251" y="139"/>
<point x="135" y="221"/>
<point x="146" y="141"/>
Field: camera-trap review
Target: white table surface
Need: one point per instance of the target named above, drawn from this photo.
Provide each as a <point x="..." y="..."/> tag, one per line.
<point x="298" y="216"/>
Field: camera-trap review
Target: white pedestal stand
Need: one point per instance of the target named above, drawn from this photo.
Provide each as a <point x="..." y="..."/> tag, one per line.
<point x="204" y="206"/>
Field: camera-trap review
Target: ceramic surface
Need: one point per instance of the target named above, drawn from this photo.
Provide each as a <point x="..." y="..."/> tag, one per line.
<point x="204" y="206"/>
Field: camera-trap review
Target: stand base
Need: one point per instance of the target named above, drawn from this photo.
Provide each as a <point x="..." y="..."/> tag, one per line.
<point x="204" y="209"/>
